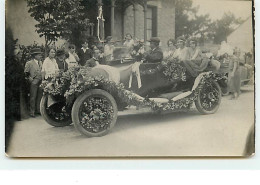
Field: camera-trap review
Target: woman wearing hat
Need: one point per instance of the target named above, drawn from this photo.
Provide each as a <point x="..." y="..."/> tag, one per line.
<point x="109" y="49"/>
<point x="33" y="74"/>
<point x="49" y="67"/>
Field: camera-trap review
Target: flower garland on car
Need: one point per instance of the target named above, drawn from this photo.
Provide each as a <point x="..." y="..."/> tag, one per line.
<point x="76" y="81"/>
<point x="171" y="68"/>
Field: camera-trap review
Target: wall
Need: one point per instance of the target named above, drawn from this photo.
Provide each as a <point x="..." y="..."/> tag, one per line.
<point x="165" y="21"/>
<point x="22" y="24"/>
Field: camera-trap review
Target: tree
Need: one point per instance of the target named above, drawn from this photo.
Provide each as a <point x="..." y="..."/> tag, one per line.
<point x="188" y="22"/>
<point x="223" y="27"/>
<point x="58" y="19"/>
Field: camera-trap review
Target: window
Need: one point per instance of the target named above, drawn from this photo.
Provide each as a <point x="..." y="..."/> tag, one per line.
<point x="151" y="19"/>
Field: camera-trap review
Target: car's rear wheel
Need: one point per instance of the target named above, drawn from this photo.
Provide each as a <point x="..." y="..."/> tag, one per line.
<point x="209" y="98"/>
<point x="94" y="113"/>
<point x="56" y="114"/>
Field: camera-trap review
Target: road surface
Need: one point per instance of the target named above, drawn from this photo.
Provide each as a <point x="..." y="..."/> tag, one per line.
<point x="141" y="133"/>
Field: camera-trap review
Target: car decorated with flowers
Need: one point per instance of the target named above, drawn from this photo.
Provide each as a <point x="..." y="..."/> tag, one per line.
<point x="90" y="98"/>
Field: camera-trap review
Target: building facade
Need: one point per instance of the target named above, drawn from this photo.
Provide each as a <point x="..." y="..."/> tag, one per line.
<point x="141" y="18"/>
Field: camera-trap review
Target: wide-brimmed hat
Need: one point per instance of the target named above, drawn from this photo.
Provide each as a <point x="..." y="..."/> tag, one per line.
<point x="154" y="39"/>
<point x="35" y="51"/>
<point x="60" y="52"/>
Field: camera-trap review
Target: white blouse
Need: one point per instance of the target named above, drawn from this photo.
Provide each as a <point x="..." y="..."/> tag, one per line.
<point x="71" y="61"/>
<point x="50" y="67"/>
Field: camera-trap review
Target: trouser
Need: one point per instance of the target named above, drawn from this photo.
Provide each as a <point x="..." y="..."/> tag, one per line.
<point x="35" y="97"/>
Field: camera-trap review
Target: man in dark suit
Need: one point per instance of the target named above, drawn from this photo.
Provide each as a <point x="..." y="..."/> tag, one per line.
<point x="155" y="54"/>
<point x="95" y="59"/>
<point x="84" y="53"/>
<point x="33" y="74"/>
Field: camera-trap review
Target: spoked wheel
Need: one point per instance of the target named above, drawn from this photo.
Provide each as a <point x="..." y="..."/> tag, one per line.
<point x="209" y="98"/>
<point x="56" y="115"/>
<point x="94" y="113"/>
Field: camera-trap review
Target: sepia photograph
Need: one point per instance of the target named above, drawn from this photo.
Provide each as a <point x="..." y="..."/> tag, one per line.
<point x="129" y="78"/>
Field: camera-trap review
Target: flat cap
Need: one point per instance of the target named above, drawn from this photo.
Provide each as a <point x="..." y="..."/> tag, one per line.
<point x="154" y="39"/>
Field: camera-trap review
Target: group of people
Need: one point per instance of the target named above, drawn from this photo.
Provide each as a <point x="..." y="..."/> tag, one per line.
<point x="190" y="55"/>
<point x="58" y="60"/>
<point x="187" y="52"/>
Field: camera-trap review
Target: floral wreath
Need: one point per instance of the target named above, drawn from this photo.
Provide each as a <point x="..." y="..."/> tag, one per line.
<point x="76" y="81"/>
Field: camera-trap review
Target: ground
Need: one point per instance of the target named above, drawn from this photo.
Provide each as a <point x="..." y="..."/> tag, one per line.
<point x="141" y="133"/>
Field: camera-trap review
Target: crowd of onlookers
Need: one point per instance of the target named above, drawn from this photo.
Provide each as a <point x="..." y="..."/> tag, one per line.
<point x="187" y="51"/>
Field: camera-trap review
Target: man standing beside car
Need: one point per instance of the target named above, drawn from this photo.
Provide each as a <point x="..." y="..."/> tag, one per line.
<point x="33" y="74"/>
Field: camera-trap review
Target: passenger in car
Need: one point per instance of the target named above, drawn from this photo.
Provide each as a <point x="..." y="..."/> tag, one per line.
<point x="155" y="54"/>
<point x="168" y="54"/>
<point x="95" y="59"/>
<point x="181" y="52"/>
<point x="109" y="49"/>
<point x="197" y="62"/>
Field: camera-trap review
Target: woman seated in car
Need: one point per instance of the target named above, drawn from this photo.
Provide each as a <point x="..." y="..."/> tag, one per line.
<point x="181" y="53"/>
<point x="170" y="50"/>
<point x="197" y="62"/>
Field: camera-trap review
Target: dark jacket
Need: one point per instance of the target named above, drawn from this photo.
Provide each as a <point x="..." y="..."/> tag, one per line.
<point x="62" y="65"/>
<point x="154" y="56"/>
<point x="84" y="56"/>
<point x="91" y="62"/>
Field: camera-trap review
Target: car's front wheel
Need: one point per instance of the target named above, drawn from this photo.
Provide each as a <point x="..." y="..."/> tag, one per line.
<point x="56" y="114"/>
<point x="209" y="98"/>
<point x="94" y="113"/>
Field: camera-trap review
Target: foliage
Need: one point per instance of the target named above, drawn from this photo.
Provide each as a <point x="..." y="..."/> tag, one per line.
<point x="187" y="20"/>
<point x="80" y="81"/>
<point x="223" y="27"/>
<point x="189" y="24"/>
<point x="171" y="68"/>
<point x="96" y="114"/>
<point x="58" y="19"/>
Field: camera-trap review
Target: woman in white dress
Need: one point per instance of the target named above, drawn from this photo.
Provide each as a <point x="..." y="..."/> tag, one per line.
<point x="49" y="67"/>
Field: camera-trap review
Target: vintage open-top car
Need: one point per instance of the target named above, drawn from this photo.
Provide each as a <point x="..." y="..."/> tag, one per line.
<point x="90" y="98"/>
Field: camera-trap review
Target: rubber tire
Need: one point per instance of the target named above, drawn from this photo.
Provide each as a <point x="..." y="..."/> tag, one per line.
<point x="198" y="101"/>
<point x="76" y="107"/>
<point x="47" y="118"/>
<point x="224" y="91"/>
